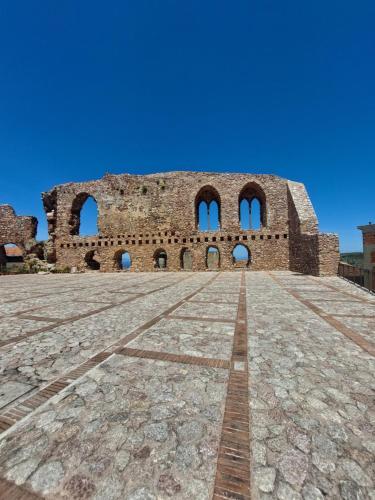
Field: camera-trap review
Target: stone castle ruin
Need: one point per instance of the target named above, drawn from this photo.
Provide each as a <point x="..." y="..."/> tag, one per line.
<point x="158" y="221"/>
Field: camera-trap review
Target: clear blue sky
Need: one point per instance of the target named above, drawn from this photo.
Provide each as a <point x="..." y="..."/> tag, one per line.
<point x="279" y="87"/>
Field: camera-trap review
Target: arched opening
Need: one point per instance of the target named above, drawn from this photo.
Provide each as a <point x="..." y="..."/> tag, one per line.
<point x="252" y="207"/>
<point x="160" y="259"/>
<point x="241" y="256"/>
<point x="186" y="259"/>
<point x="84" y="216"/>
<point x="212" y="258"/>
<point x="91" y="262"/>
<point x="123" y="260"/>
<point x="11" y="257"/>
<point x="207" y="209"/>
<point x="202" y="216"/>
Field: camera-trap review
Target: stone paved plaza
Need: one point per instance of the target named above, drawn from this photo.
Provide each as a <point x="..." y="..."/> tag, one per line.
<point x="186" y="385"/>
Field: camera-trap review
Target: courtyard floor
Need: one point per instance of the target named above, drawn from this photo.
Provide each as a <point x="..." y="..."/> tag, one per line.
<point x="186" y="385"/>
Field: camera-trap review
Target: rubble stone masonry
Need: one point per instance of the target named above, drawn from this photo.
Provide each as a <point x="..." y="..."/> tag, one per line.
<point x="152" y="215"/>
<point x="17" y="230"/>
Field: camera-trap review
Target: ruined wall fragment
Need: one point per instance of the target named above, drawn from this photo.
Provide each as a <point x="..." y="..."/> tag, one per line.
<point x="145" y="214"/>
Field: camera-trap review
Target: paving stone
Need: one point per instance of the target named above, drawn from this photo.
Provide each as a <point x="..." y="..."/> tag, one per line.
<point x="265" y="478"/>
<point x="286" y="492"/>
<point x="190" y="431"/>
<point x="293" y="466"/>
<point x="351" y="491"/>
<point x="322" y="382"/>
<point x="157" y="432"/>
<point x="324" y="455"/>
<point x="47" y="477"/>
<point x="12" y="390"/>
<point x="259" y="453"/>
<point x="353" y="471"/>
<point x="22" y="471"/>
<point x="310" y="492"/>
<point x="131" y="426"/>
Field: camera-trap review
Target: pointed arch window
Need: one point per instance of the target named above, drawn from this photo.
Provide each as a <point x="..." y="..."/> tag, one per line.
<point x="252" y="207"/>
<point x="207" y="209"/>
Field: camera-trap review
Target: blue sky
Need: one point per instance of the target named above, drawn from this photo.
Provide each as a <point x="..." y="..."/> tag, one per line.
<point x="285" y="88"/>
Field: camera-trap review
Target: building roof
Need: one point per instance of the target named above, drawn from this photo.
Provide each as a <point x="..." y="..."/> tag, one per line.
<point x="13" y="251"/>
<point x="369" y="228"/>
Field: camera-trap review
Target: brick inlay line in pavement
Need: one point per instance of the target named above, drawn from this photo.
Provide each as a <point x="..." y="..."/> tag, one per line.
<point x="39" y="318"/>
<point x="215" y="302"/>
<point x="330" y="318"/>
<point x="233" y="464"/>
<point x="363" y="316"/>
<point x="73" y="289"/>
<point x="199" y="318"/>
<point x="61" y="322"/>
<point x="17" y="413"/>
<point x="340" y="290"/>
<point x="174" y="358"/>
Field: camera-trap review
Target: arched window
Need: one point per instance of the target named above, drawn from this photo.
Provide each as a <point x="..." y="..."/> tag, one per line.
<point x="241" y="256"/>
<point x="207" y="209"/>
<point x="213" y="216"/>
<point x="84" y="216"/>
<point x="91" y="262"/>
<point x="123" y="260"/>
<point x="203" y="216"/>
<point x="186" y="259"/>
<point x="212" y="258"/>
<point x="160" y="259"/>
<point x="252" y="207"/>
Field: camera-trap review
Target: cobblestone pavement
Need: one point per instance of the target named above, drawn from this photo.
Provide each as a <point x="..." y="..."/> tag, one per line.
<point x="142" y="386"/>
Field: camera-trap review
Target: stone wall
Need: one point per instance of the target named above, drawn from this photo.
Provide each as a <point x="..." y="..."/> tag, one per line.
<point x="310" y="252"/>
<point x="146" y="214"/>
<point x="19" y="230"/>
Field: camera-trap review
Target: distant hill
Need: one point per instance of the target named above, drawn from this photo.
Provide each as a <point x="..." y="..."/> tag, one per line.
<point x="353" y="258"/>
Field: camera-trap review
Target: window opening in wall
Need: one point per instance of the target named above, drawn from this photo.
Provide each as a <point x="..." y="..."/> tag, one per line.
<point x="250" y="214"/>
<point x="160" y="259"/>
<point x="213" y="216"/>
<point x="207" y="205"/>
<point x="212" y="258"/>
<point x="91" y="260"/>
<point x="241" y="256"/>
<point x="89" y="218"/>
<point x="125" y="261"/>
<point x="186" y="259"/>
<point x="202" y="216"/>
<point x="252" y="207"/>
<point x="84" y="216"/>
